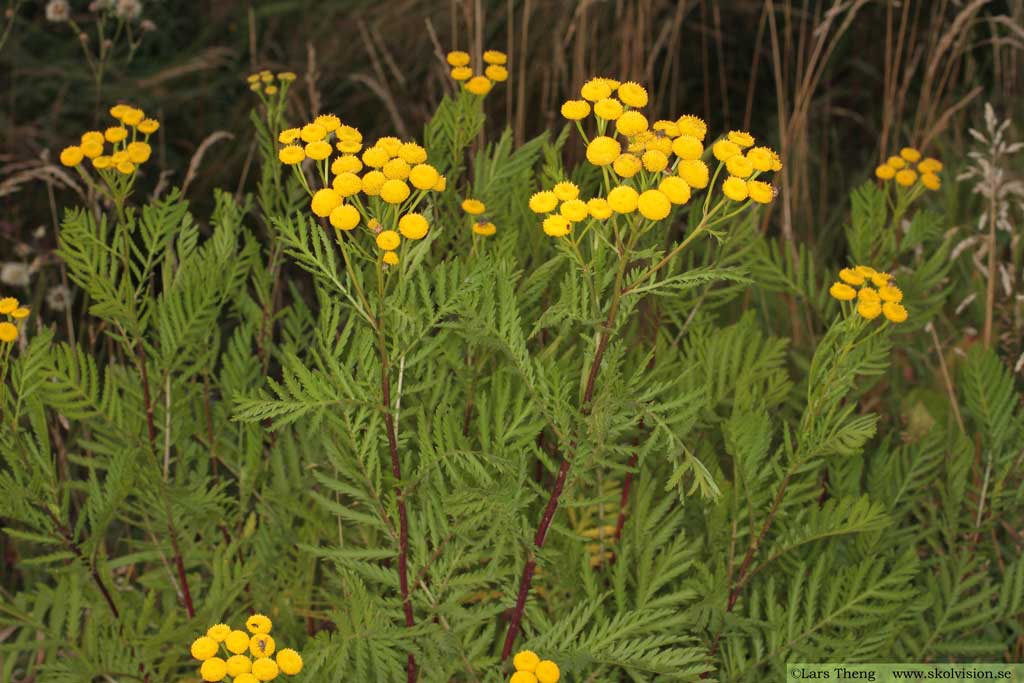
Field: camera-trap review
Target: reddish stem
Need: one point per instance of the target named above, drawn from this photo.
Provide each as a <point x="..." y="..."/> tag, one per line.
<point x="549" y="510"/>
<point x="624" y="500"/>
<point x="403" y="520"/>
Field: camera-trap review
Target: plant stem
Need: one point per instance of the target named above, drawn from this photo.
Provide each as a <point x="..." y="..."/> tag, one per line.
<point x="990" y="293"/>
<point x="72" y="546"/>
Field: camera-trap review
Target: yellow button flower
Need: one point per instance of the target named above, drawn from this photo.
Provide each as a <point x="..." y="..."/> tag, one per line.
<point x="760" y="191"/>
<point x="461" y="73"/>
<point x="344" y="217"/>
<point x="760" y="158"/>
<point x="346" y="163"/>
<point x="910" y="154"/>
<point x="213" y="669"/>
<point x="547" y="672"/>
<point x="388" y="240"/>
<point x="566" y="190"/>
<point x="495" y="57"/>
<point x="458" y="58"/>
<point x="741" y="138"/>
<point x="544" y="201"/>
<point x="92" y="149"/>
<point x="8" y="332"/>
<point x="906" y="177"/>
<point x="8" y="304"/>
<point x="676" y="189"/>
<point x="896" y="162"/>
<point x="692" y="125"/>
<point x="93" y="137"/>
<point x="139" y="152"/>
<point x="623" y="199"/>
<point x="204" y="647"/>
<point x="289" y="661"/>
<point x="631" y="123"/>
<point x="894" y="312"/>
<point x="556" y="226"/>
<point x="20" y="313"/>
<point x="394" y="191"/>
<point x="890" y="293"/>
<point x="927" y="165"/>
<point x="484" y="228"/>
<point x="869" y="309"/>
<point x="479" y="85"/>
<point x="239" y="664"/>
<point x="330" y="122"/>
<point x="523" y="677"/>
<point x="654" y="205"/>
<point x="413" y="226"/>
<point x="725" y="149"/>
<point x="441" y="184"/>
<point x="842" y="291"/>
<point x="632" y="94"/>
<point x="102" y="162"/>
<point x="390" y="258"/>
<point x="261" y="645"/>
<point x="118" y="110"/>
<point x="265" y="669"/>
<point x="312" y="132"/>
<point x="375" y="157"/>
<point x="373" y="181"/>
<point x="71" y="156"/>
<point x="695" y="172"/>
<point x="931" y="181"/>
<point x="423" y="176"/>
<point x="851" y="276"/>
<point x="735" y="189"/>
<point x="869" y="295"/>
<point x="866" y="271"/>
<point x="687" y="147"/>
<point x="627" y="165"/>
<point x="574" y="209"/>
<point x="473" y="207"/>
<point x="885" y="172"/>
<point x="608" y="109"/>
<point x="603" y="150"/>
<point x="599" y="208"/>
<point x="115" y="133"/>
<point x="412" y="153"/>
<point x="148" y="126"/>
<point x="390" y="144"/>
<point x="668" y="128"/>
<point x="291" y="155"/>
<point x="574" y="110"/>
<point x="654" y="160"/>
<point x="496" y="73"/>
<point x="324" y="201"/>
<point x="739" y="166"/>
<point x="347" y="184"/>
<point x="318" y="150"/>
<point x="595" y="89"/>
<point x="133" y="117"/>
<point x="125" y="167"/>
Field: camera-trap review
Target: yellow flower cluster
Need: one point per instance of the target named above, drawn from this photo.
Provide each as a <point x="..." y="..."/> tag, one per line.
<point x="15" y="313"/>
<point x="266" y="83"/>
<point x="496" y="70"/>
<point x="565" y="196"/>
<point x="532" y="669"/>
<point x="898" y="167"/>
<point x="388" y="179"/>
<point x="658" y="165"/>
<point x="480" y="225"/>
<point x="876" y="293"/>
<point x="263" y="663"/>
<point x="129" y="144"/>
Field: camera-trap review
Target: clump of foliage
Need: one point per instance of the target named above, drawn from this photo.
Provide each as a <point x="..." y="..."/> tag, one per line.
<point x="551" y="413"/>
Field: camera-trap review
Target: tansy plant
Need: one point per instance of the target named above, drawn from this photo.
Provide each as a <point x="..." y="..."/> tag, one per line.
<point x="646" y="171"/>
<point x="495" y="71"/>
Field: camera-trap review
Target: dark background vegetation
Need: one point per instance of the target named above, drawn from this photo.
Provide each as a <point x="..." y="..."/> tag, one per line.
<point x="836" y="86"/>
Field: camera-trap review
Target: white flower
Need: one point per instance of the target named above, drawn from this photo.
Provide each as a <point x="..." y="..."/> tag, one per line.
<point x="58" y="297"/>
<point x="14" y="274"/>
<point x="58" y="11"/>
<point x="128" y="10"/>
